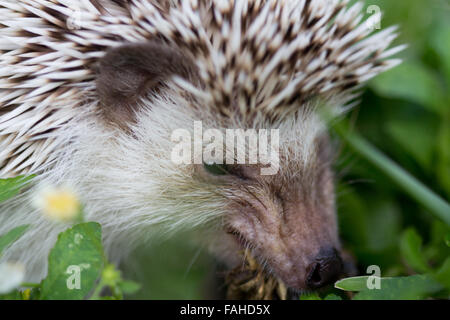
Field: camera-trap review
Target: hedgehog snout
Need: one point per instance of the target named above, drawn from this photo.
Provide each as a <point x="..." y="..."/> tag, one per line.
<point x="301" y="248"/>
<point x="311" y="273"/>
<point x="325" y="268"/>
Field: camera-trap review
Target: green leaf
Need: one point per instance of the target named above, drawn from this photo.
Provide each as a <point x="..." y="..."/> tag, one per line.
<point x="77" y="254"/>
<point x="352" y="284"/>
<point x="439" y="231"/>
<point x="411" y="247"/>
<point x="414" y="82"/>
<point x="443" y="274"/>
<point x="398" y="288"/>
<point x="129" y="287"/>
<point x="12" y="236"/>
<point x="11" y="187"/>
<point x="402" y="288"/>
<point x="310" y="296"/>
<point x="436" y="251"/>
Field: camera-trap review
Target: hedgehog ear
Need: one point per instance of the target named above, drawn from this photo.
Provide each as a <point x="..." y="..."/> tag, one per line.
<point x="129" y="72"/>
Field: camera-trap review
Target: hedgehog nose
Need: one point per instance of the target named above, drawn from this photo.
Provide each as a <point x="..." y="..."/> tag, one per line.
<point x="325" y="269"/>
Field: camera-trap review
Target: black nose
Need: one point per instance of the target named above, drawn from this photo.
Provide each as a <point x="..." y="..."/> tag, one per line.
<point x="325" y="269"/>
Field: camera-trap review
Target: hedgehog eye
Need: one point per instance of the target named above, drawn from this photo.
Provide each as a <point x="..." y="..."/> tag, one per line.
<point x="216" y="169"/>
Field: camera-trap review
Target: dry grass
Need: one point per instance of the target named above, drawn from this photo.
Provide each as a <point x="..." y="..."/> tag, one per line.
<point x="249" y="281"/>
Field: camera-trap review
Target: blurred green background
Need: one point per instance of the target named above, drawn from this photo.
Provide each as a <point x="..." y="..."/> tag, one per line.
<point x="406" y="114"/>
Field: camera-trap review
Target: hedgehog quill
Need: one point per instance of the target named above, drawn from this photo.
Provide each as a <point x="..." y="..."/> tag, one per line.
<point x="91" y="92"/>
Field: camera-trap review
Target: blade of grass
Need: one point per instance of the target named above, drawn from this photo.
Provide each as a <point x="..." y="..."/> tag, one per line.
<point x="405" y="180"/>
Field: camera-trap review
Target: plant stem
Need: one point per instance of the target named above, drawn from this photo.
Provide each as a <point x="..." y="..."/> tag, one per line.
<point x="404" y="179"/>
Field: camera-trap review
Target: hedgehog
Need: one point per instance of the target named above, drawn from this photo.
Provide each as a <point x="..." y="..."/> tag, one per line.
<point x="92" y="90"/>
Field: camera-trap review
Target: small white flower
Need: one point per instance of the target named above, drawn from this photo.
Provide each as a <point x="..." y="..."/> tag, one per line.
<point x="59" y="204"/>
<point x="11" y="276"/>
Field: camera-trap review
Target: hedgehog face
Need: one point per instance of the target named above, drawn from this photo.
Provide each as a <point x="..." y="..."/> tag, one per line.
<point x="286" y="220"/>
<point x="290" y="227"/>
